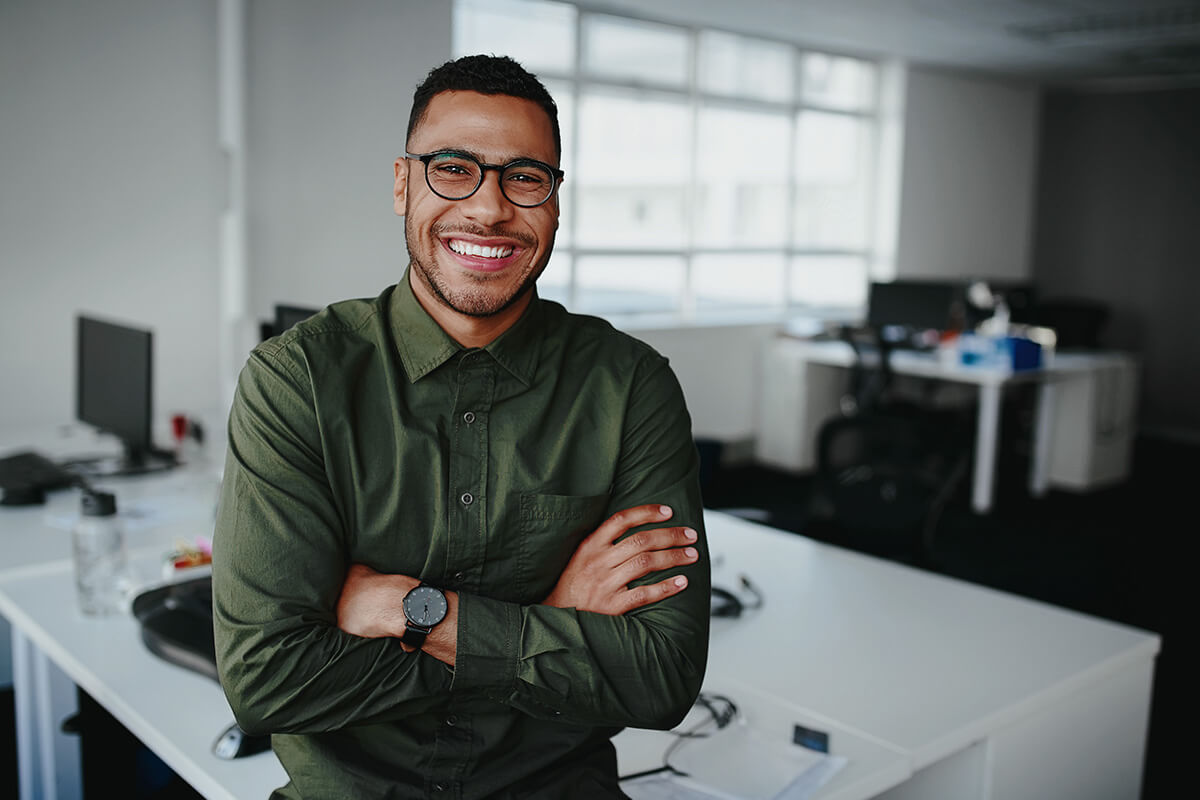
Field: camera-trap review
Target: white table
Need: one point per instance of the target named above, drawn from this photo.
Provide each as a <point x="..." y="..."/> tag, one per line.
<point x="796" y="401"/>
<point x="989" y="695"/>
<point x="932" y="688"/>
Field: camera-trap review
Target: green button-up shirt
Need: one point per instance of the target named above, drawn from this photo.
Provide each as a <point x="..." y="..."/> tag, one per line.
<point x="367" y="435"/>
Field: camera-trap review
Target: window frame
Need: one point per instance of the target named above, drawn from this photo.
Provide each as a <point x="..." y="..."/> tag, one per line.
<point x="869" y="114"/>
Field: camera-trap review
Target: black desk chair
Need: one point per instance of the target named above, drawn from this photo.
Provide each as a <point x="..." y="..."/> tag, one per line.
<point x="886" y="467"/>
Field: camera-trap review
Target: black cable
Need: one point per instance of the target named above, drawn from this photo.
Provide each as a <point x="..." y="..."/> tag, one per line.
<point x="722" y="711"/>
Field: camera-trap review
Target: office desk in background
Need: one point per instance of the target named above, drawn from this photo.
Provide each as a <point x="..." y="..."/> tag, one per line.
<point x="932" y="688"/>
<point x="1083" y="430"/>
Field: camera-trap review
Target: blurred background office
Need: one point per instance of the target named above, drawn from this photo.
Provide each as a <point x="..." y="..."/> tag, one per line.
<point x="734" y="170"/>
<point x="187" y="165"/>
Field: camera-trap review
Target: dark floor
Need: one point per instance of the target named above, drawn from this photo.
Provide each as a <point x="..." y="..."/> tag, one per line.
<point x="1116" y="553"/>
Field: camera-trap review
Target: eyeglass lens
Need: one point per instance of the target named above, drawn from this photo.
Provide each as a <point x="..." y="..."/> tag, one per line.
<point x="456" y="176"/>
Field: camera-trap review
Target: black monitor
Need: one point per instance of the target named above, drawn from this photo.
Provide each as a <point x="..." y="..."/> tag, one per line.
<point x="902" y="310"/>
<point x="285" y="317"/>
<point x="114" y="392"/>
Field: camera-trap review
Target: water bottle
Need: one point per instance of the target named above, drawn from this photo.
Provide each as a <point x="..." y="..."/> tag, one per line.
<point x="101" y="567"/>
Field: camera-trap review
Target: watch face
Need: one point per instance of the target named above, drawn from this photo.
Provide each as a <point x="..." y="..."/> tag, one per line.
<point x="425" y="606"/>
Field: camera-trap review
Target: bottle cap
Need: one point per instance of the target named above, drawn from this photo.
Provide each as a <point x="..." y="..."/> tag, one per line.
<point x="99" y="504"/>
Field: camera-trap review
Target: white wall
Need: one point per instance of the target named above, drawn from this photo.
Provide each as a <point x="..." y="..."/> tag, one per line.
<point x="968" y="180"/>
<point x="113" y="182"/>
<point x="329" y="91"/>
<point x="109" y="193"/>
<point x="720" y="369"/>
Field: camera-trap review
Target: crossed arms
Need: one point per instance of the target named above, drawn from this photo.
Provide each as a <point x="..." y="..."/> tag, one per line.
<point x="596" y="579"/>
<point x="307" y="633"/>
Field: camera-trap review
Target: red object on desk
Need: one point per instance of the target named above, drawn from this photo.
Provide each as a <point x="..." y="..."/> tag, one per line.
<point x="179" y="426"/>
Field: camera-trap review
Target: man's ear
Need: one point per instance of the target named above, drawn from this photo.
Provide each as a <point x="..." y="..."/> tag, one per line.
<point x="400" y="187"/>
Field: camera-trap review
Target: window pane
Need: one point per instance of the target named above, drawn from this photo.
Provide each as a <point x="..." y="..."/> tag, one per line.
<point x="609" y="284"/>
<point x="832" y="167"/>
<point x="738" y="66"/>
<point x="738" y="280"/>
<point x="554" y="284"/>
<point x="633" y="171"/>
<point x="564" y="97"/>
<point x="538" y="34"/>
<point x="626" y="49"/>
<point x="837" y="82"/>
<point x="828" y="281"/>
<point x="742" y="187"/>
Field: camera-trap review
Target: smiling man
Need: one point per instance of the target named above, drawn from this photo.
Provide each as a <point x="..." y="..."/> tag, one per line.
<point x="460" y="541"/>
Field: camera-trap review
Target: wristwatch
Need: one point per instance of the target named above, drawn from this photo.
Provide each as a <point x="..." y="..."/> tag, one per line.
<point x="424" y="607"/>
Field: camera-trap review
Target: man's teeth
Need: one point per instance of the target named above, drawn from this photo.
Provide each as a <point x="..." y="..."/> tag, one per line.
<point x="462" y="248"/>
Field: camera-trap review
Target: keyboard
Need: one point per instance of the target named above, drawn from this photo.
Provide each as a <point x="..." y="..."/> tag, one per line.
<point x="32" y="470"/>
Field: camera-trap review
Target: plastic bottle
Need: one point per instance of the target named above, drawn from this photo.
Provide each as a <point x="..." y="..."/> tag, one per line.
<point x="101" y="567"/>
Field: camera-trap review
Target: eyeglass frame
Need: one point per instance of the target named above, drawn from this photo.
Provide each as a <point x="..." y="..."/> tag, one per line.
<point x="425" y="158"/>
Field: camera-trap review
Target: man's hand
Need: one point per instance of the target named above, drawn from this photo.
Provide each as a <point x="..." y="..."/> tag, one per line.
<point x="370" y="603"/>
<point x="598" y="574"/>
<point x="371" y="606"/>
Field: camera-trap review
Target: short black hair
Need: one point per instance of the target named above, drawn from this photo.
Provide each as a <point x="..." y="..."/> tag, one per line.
<point x="486" y="75"/>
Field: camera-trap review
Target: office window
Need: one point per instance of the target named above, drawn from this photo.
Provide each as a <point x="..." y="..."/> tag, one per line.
<point x="540" y="35"/>
<point x="737" y="66"/>
<point x="706" y="170"/>
<point x="633" y="176"/>
<point x="615" y="48"/>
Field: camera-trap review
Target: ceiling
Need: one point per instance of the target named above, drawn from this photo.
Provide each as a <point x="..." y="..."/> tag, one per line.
<point x="1048" y="41"/>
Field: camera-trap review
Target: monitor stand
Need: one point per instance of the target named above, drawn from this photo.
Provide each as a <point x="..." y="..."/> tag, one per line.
<point x="133" y="461"/>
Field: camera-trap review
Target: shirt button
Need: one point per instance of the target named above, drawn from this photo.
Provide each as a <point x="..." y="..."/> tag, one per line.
<point x="451" y="720"/>
<point x="459" y="577"/>
<point x="467" y="498"/>
<point x="469" y="417"/>
<point x="437" y="787"/>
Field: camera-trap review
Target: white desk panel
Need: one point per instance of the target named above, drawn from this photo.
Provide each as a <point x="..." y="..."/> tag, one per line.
<point x="177" y="713"/>
<point x="925" y="663"/>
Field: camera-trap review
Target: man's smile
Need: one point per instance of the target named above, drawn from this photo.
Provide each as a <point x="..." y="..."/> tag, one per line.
<point x="469" y="249"/>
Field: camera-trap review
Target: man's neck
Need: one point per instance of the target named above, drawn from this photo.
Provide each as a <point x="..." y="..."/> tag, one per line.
<point x="467" y="330"/>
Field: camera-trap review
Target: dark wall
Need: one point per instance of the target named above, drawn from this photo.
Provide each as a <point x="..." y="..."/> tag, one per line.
<point x="1117" y="220"/>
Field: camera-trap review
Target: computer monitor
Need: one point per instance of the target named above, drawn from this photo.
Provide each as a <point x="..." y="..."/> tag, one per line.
<point x="114" y="392"/>
<point x="287" y="316"/>
<point x="903" y="310"/>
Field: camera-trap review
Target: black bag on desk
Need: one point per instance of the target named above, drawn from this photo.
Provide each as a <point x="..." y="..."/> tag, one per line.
<point x="177" y="623"/>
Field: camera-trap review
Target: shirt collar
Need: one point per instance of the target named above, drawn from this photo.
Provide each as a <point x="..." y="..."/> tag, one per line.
<point x="424" y="346"/>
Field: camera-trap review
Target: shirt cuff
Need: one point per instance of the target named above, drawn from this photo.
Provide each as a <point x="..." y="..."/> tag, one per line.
<point x="488" y="639"/>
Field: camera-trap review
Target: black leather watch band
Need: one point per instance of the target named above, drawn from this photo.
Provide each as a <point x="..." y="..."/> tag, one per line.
<point x="414" y="636"/>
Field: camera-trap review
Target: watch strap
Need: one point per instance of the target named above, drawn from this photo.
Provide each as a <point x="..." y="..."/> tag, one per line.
<point x="414" y="636"/>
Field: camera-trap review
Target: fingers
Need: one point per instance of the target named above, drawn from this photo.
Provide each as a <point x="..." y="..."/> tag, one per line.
<point x="646" y="561"/>
<point x="616" y="525"/>
<point x="651" y="593"/>
<point x="656" y="539"/>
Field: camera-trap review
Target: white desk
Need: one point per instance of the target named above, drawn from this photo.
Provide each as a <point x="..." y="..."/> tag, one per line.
<point x="797" y="399"/>
<point x="931" y="687"/>
<point x="988" y="694"/>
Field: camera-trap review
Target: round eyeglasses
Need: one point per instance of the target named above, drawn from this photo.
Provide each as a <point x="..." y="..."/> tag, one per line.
<point x="455" y="175"/>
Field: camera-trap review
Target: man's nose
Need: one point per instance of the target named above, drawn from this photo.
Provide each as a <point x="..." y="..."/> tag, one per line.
<point x="488" y="203"/>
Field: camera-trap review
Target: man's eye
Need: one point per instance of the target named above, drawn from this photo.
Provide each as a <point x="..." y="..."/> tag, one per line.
<point x="452" y="169"/>
<point x="530" y="178"/>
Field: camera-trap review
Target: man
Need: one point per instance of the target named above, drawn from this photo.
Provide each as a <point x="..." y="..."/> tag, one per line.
<point x="460" y="541"/>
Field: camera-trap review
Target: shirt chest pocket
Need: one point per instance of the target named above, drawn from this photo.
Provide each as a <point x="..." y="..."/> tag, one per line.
<point x="551" y="527"/>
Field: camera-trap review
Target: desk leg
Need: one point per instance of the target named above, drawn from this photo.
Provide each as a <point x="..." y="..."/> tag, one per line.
<point x="1039" y="470"/>
<point x="48" y="761"/>
<point x="987" y="429"/>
